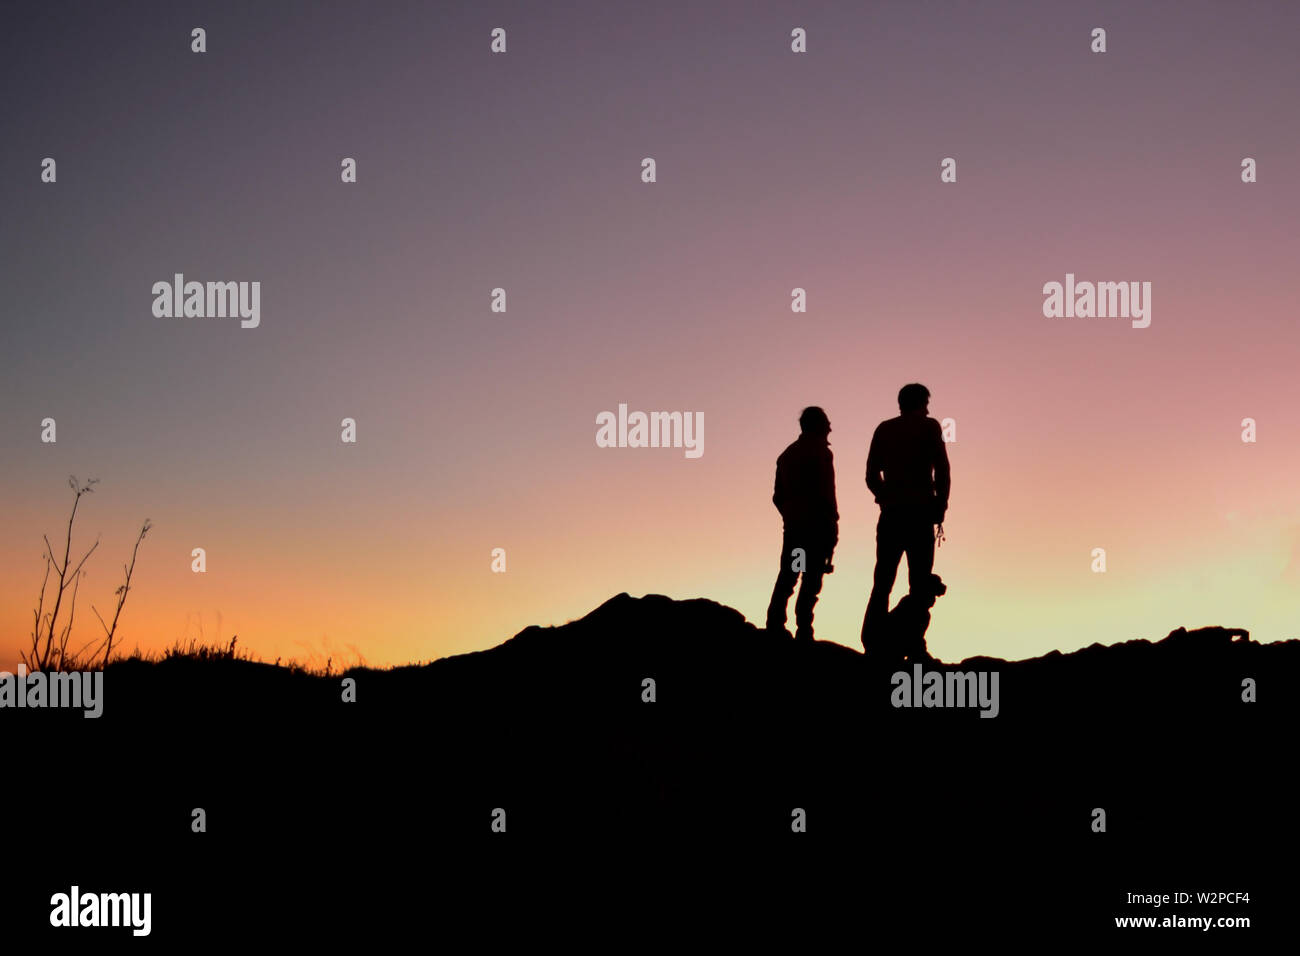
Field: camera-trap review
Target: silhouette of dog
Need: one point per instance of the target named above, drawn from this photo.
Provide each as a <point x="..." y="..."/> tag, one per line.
<point x="909" y="620"/>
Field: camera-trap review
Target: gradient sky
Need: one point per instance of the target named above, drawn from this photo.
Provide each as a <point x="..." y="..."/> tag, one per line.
<point x="775" y="170"/>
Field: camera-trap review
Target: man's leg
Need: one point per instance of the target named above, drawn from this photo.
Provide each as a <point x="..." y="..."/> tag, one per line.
<point x="809" y="588"/>
<point x="889" y="551"/>
<point x="785" y="581"/>
<point x="920" y="552"/>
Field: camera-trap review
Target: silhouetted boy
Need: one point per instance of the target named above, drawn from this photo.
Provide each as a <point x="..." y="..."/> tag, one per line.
<point x="909" y="620"/>
<point x="907" y="471"/>
<point x="805" y="496"/>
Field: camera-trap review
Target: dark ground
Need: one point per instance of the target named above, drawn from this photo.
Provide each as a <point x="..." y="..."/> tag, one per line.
<point x="628" y="821"/>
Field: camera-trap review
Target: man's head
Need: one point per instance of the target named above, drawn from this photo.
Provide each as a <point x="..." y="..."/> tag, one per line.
<point x="814" y="422"/>
<point x="914" y="398"/>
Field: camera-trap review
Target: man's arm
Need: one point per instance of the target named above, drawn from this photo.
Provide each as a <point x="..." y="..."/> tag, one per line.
<point x="875" y="481"/>
<point x="828" y="494"/>
<point x="828" y="486"/>
<point x="942" y="473"/>
<point x="827" y="507"/>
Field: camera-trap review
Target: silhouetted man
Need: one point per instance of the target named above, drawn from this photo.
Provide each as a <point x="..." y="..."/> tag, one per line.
<point x="907" y="471"/>
<point x="805" y="496"/>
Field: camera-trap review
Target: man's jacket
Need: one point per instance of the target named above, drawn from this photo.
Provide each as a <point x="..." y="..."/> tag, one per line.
<point x="805" y="487"/>
<point x="907" y="465"/>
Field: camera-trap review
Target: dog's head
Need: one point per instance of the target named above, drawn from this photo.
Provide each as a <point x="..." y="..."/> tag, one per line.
<point x="933" y="588"/>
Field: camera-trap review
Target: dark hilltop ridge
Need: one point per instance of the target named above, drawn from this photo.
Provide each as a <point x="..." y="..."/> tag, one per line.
<point x="706" y="659"/>
<point x="738" y="712"/>
<point x="748" y="734"/>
